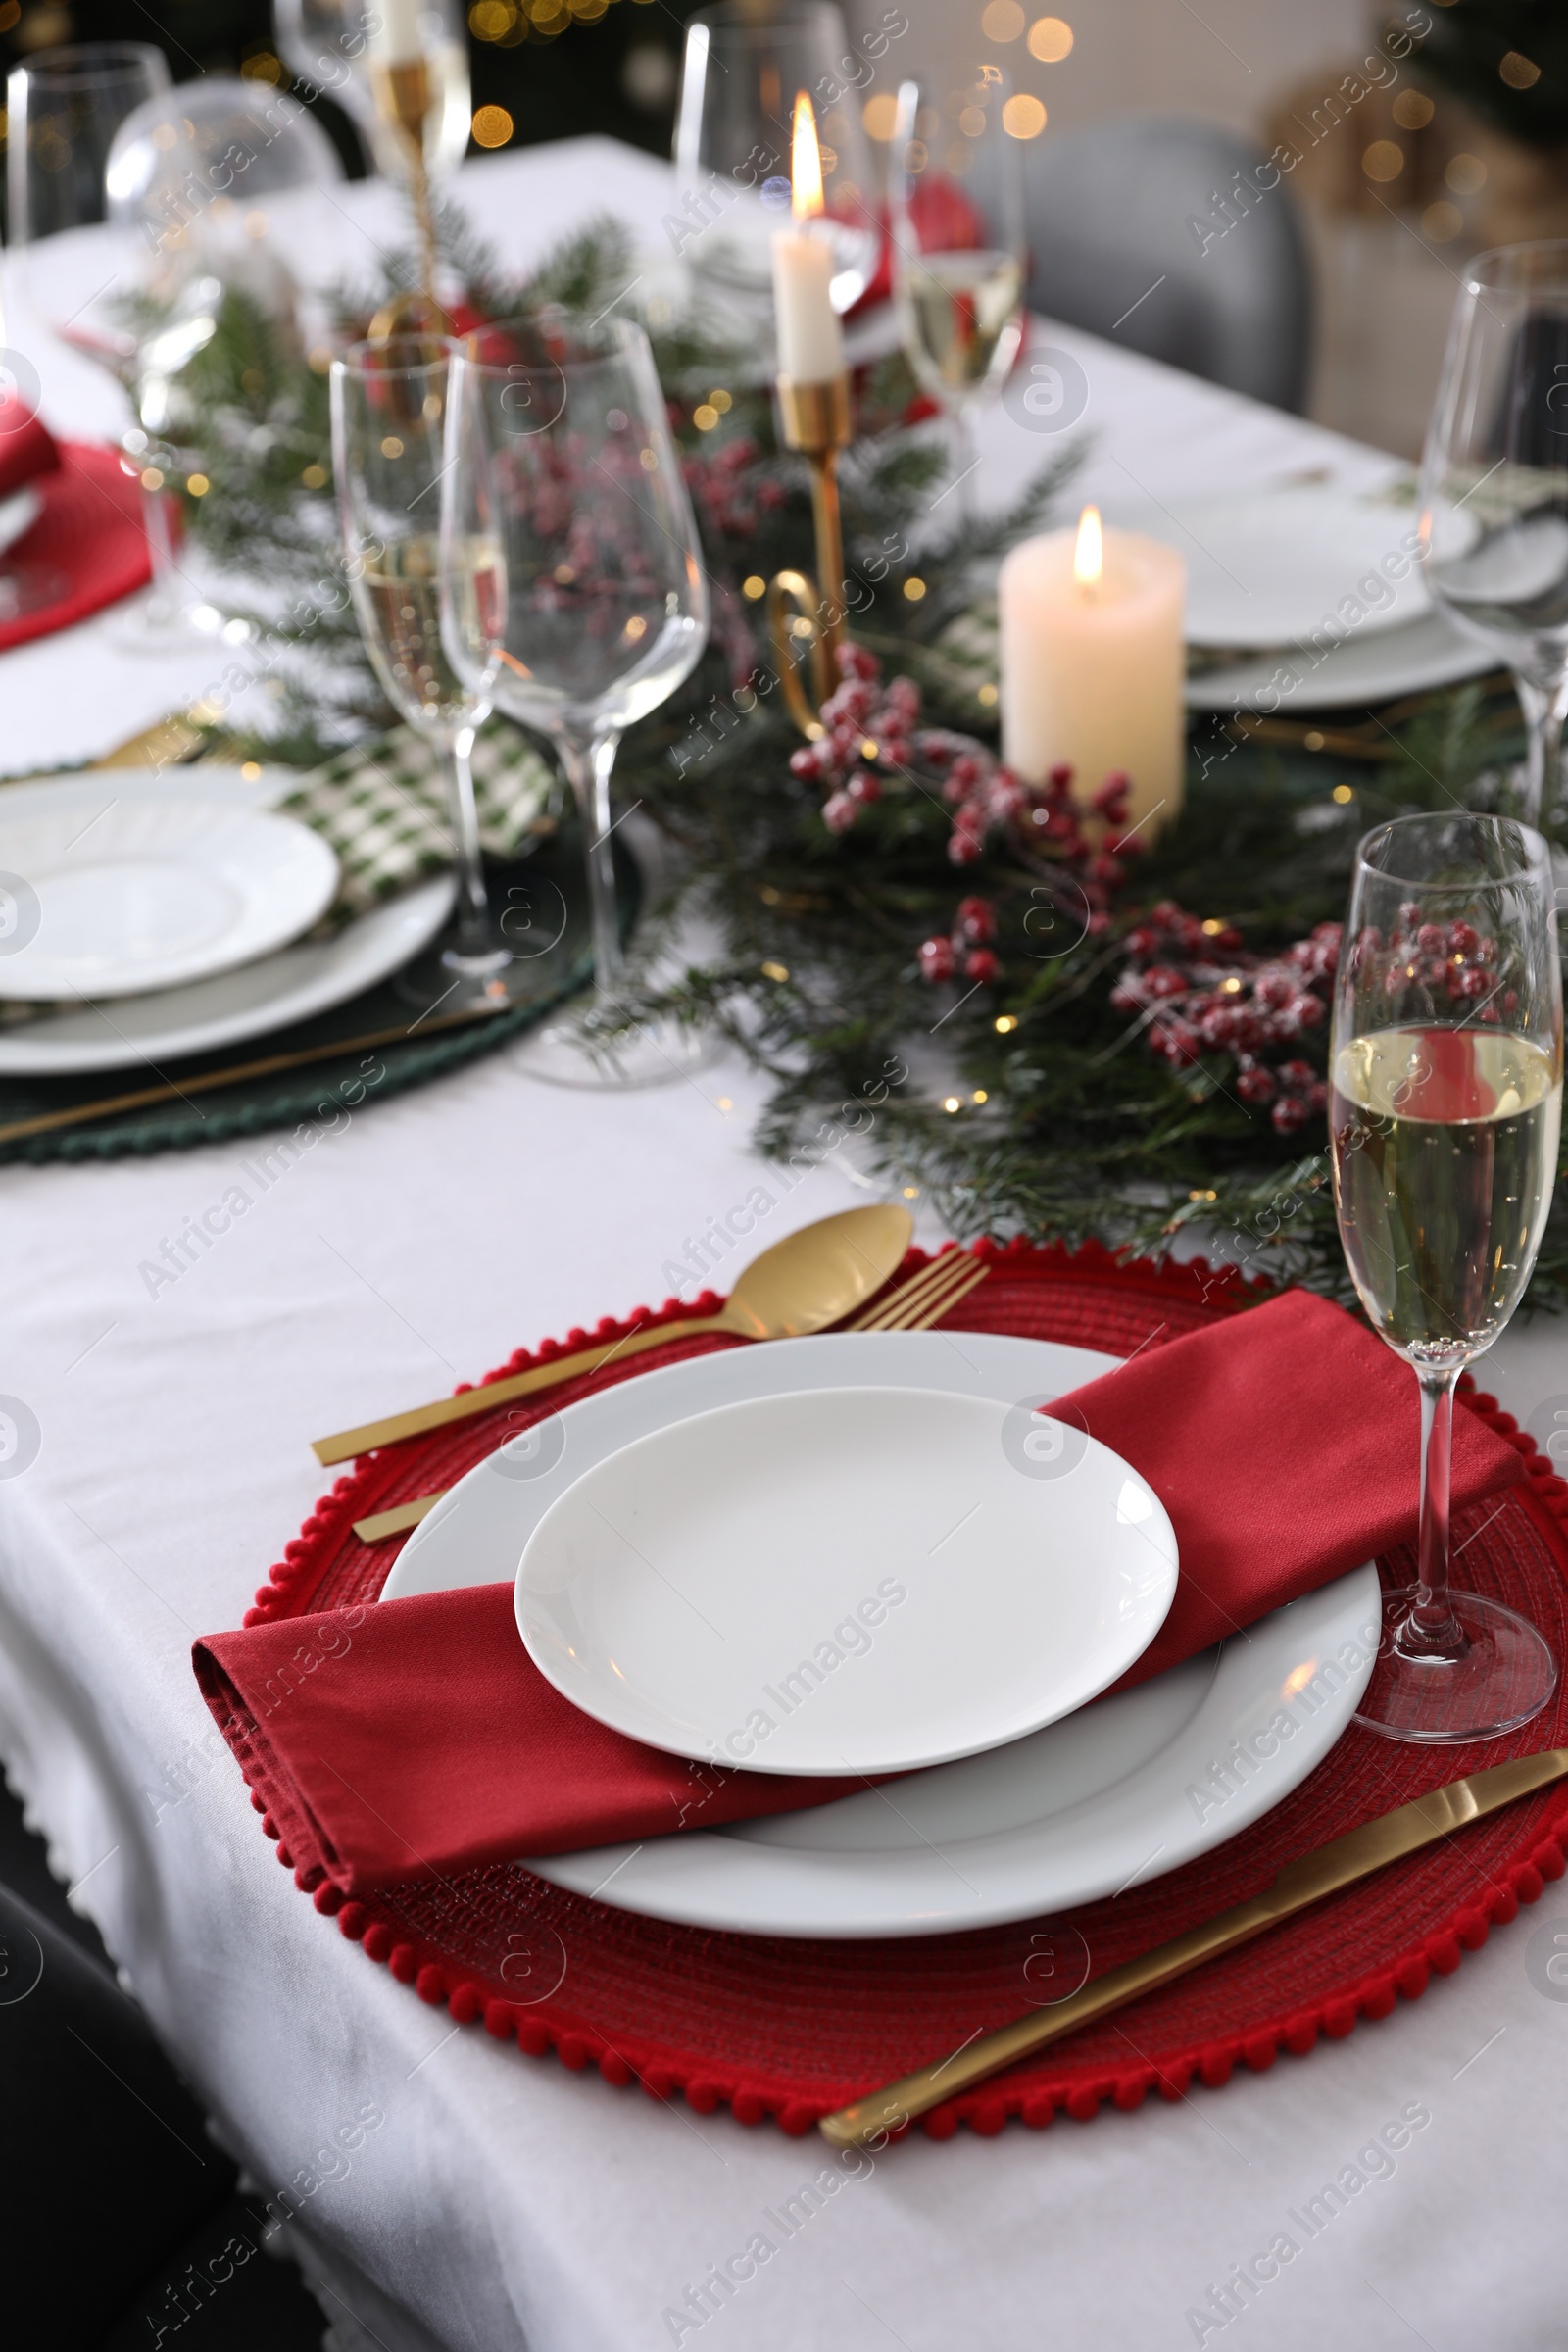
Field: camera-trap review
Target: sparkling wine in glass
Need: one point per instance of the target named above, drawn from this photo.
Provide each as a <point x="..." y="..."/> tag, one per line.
<point x="1495" y="488"/>
<point x="957" y="190"/>
<point x="389" y="403"/>
<point x="559" y="454"/>
<point x="1445" y="1114"/>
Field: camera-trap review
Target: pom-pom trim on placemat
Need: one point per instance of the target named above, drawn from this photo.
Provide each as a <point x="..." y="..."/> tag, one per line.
<point x="710" y="2016"/>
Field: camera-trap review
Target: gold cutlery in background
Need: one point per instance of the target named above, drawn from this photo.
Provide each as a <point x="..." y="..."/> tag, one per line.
<point x="803" y="1283"/>
<point x="917" y="1304"/>
<point x="1338" y="1864"/>
<point x="1371" y="738"/>
<point x="269" y="1066"/>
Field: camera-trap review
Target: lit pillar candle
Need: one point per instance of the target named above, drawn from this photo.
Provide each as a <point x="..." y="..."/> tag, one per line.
<point x="810" y="340"/>
<point x="1093" y="665"/>
<point x="398" y="38"/>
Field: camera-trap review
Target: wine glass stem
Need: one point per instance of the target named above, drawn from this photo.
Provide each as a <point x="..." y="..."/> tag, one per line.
<point x="167" y="584"/>
<point x="1432" y="1627"/>
<point x="474" y="906"/>
<point x="588" y="764"/>
<point x="1545" y="706"/>
<point x="967" y="459"/>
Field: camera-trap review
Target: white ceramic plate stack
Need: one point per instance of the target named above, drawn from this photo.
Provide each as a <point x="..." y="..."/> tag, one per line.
<point x="151" y="915"/>
<point x="869" y="1554"/>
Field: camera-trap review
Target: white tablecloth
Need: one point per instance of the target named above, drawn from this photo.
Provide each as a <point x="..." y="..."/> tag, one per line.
<point x="505" y="2202"/>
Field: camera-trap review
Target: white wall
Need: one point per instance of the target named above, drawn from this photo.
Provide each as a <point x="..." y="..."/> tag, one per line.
<point x="1225" y="59"/>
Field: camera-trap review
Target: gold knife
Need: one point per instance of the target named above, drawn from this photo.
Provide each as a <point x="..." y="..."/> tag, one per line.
<point x="1305" y="1881"/>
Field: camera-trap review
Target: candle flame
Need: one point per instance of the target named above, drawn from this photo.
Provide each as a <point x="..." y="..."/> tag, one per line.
<point x="1089" y="556"/>
<point x="806" y="163"/>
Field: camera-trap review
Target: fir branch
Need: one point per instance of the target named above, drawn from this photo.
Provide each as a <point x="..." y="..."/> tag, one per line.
<point x="1061" y="1121"/>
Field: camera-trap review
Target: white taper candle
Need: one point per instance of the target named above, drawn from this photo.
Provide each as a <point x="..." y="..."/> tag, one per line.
<point x="810" y="339"/>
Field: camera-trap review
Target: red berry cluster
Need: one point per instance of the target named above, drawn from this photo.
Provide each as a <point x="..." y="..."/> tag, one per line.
<point x="728" y="489"/>
<point x="1200" y="994"/>
<point x="987" y="797"/>
<point x="967" y="949"/>
<point x="866" y="725"/>
<point x="869" y="727"/>
<point x="1450" y="961"/>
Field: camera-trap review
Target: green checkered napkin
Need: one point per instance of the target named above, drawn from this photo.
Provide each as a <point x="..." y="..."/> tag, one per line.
<point x="382" y="806"/>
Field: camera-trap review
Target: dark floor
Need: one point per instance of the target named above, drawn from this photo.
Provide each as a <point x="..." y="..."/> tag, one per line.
<point x="24" y="1870"/>
<point x="117" y="2231"/>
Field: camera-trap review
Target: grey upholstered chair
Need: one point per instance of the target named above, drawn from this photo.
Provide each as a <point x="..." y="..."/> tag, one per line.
<point x="1140" y="231"/>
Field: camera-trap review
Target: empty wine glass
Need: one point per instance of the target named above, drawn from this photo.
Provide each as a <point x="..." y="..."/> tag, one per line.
<point x="190" y="175"/>
<point x="957" y="201"/>
<point x="1445" y="1112"/>
<point x="190" y="172"/>
<point x="742" y="71"/>
<point x="332" y="45"/>
<point x="1495" y="488"/>
<point x="558" y="455"/>
<point x="389" y="403"/>
<point x="83" y="274"/>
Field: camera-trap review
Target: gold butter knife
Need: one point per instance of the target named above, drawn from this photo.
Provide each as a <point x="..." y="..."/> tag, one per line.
<point x="1340" y="1863"/>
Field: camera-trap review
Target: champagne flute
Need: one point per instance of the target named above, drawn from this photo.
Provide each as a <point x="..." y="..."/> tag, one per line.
<point x="957" y="201"/>
<point x="1445" y="1112"/>
<point x="1495" y="488"/>
<point x="389" y="402"/>
<point x="559" y="454"/>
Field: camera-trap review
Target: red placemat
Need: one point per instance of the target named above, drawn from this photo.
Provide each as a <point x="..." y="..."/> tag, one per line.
<point x="790" y="2028"/>
<point x="89" y="542"/>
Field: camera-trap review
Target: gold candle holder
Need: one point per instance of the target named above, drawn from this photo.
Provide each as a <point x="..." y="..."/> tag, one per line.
<point x="816" y="421"/>
<point x="406" y="98"/>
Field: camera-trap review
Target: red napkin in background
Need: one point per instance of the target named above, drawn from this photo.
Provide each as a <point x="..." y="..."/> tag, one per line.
<point x="943" y="217"/>
<point x="417" y="1736"/>
<point x="87" y="548"/>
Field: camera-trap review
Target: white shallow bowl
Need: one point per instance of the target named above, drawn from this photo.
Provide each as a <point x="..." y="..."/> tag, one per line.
<point x="111" y="893"/>
<point x="1270" y="566"/>
<point x="852" y="1579"/>
<point x="1117" y="1792"/>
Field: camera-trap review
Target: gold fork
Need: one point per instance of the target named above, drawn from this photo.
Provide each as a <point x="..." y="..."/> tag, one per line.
<point x="915" y="1305"/>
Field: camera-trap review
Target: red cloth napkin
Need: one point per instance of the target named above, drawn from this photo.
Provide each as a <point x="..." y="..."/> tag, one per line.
<point x="416" y="1736"/>
<point x="87" y="548"/>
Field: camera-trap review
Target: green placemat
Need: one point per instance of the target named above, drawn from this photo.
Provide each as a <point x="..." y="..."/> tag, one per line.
<point x="308" y="1080"/>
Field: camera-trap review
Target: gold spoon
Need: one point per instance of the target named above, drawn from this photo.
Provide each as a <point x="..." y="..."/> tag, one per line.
<point x="803" y="1283"/>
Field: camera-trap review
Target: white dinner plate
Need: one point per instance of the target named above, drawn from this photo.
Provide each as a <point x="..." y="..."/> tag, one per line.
<point x="1359" y="673"/>
<point x="18" y="513"/>
<point x="291" y="985"/>
<point x="846" y="1579"/>
<point x="1120" y="1790"/>
<point x="112" y="893"/>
